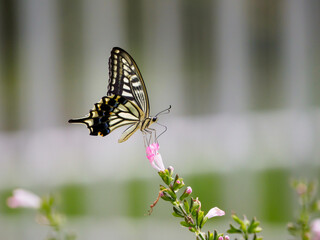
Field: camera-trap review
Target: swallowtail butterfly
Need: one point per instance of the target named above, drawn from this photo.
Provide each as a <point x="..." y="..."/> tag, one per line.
<point x="126" y="103"/>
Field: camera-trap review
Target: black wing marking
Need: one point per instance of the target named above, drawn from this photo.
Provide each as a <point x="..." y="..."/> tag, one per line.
<point x="110" y="113"/>
<point x="125" y="79"/>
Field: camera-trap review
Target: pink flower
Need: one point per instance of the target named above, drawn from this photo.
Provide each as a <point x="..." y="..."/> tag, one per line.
<point x="220" y="238"/>
<point x="154" y="157"/>
<point x="152" y="151"/>
<point x="227" y="237"/>
<point x="315" y="229"/>
<point x="24" y="199"/>
<point x="214" y="212"/>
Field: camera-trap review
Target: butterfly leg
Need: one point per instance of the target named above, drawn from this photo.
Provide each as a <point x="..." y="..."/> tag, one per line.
<point x="152" y="136"/>
<point x="145" y="139"/>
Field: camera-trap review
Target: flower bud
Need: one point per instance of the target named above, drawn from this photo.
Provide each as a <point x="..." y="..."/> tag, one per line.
<point x="178" y="184"/>
<point x="186" y="193"/>
<point x="170" y="169"/>
<point x="166" y="178"/>
<point x="196" y="205"/>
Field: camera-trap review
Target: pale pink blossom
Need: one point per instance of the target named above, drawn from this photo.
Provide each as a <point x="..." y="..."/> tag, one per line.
<point x="154" y="157"/>
<point x="215" y="212"/>
<point x="227" y="237"/>
<point x="24" y="199"/>
<point x="315" y="229"/>
<point x="220" y="238"/>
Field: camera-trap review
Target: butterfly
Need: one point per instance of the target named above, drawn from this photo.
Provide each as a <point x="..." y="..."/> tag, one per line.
<point x="126" y="103"/>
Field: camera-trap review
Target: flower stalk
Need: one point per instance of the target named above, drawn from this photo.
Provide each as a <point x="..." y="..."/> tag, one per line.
<point x="189" y="210"/>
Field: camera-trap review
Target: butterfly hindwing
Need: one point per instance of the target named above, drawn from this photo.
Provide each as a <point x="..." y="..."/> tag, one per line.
<point x="110" y="113"/>
<point x="125" y="79"/>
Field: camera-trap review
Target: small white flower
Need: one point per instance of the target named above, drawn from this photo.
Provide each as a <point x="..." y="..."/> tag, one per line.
<point x="24" y="199"/>
<point x="215" y="212"/>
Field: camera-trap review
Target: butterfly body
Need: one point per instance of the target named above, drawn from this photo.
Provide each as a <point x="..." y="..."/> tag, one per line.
<point x="126" y="103"/>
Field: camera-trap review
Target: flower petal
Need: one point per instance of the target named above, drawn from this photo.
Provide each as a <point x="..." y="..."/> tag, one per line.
<point x="158" y="161"/>
<point x="214" y="212"/>
<point x="154" y="157"/>
<point x="25" y="199"/>
<point x="315" y="229"/>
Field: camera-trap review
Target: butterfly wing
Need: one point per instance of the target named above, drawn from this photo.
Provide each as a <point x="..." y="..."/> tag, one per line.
<point x="110" y="113"/>
<point x="125" y="80"/>
<point x="126" y="103"/>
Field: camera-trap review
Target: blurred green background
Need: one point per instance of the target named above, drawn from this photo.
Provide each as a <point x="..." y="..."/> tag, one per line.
<point x="242" y="77"/>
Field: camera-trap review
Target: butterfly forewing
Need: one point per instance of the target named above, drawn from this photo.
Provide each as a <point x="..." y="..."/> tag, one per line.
<point x="109" y="114"/>
<point x="125" y="79"/>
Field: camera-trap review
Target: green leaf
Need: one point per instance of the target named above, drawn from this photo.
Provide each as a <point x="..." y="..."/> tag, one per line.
<point x="186" y="206"/>
<point x="254" y="224"/>
<point x="237" y="219"/>
<point x="185" y="224"/>
<point x="233" y="229"/>
<point x="215" y="236"/>
<point x="172" y="194"/>
<point x="178" y="212"/>
<point x="191" y="204"/>
<point x="199" y="218"/>
<point x="166" y="196"/>
<point x="176" y="215"/>
<point x="315" y="206"/>
<point x="205" y="219"/>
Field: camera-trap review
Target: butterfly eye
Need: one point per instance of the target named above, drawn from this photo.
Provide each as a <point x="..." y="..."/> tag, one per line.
<point x="154" y="119"/>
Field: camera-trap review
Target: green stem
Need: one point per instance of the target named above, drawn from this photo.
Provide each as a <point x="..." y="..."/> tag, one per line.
<point x="201" y="236"/>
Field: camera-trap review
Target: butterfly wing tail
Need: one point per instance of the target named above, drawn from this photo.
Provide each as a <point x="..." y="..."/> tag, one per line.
<point x="78" y="120"/>
<point x="95" y="125"/>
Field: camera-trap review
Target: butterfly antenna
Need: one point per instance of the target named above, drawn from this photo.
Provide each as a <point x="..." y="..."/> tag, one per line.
<point x="166" y="111"/>
<point x="165" y="129"/>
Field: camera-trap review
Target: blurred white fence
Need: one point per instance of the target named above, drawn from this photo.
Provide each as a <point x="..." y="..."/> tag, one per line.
<point x="55" y="84"/>
<point x="192" y="145"/>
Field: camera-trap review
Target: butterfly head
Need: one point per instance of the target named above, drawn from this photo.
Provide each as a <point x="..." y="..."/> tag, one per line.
<point x="154" y="119"/>
<point x="149" y="121"/>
